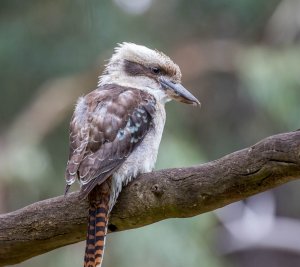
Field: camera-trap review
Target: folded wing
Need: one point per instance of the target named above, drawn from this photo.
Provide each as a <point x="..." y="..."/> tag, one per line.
<point x="107" y="125"/>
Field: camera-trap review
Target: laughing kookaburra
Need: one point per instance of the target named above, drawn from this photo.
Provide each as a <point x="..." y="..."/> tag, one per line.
<point x="116" y="129"/>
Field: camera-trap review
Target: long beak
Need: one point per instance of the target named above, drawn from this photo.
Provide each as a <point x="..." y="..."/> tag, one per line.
<point x="178" y="92"/>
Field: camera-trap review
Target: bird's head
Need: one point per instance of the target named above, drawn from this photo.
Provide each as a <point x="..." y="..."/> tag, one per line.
<point x="150" y="70"/>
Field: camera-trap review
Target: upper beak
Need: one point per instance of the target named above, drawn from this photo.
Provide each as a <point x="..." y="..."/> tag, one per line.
<point x="178" y="92"/>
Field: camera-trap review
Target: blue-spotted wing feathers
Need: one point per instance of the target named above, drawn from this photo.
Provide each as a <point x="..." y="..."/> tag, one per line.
<point x="107" y="125"/>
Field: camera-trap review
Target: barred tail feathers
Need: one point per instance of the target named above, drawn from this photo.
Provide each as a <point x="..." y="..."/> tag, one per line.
<point x="96" y="234"/>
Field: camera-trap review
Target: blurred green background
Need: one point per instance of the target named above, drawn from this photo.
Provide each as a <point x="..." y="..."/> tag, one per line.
<point x="240" y="58"/>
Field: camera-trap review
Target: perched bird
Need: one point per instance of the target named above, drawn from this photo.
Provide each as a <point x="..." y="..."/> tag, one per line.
<point x="116" y="129"/>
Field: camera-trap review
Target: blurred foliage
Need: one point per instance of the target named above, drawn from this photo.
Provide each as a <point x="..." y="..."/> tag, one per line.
<point x="273" y="80"/>
<point x="248" y="86"/>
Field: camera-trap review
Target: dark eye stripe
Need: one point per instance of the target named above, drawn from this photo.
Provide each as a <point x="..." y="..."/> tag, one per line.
<point x="135" y="69"/>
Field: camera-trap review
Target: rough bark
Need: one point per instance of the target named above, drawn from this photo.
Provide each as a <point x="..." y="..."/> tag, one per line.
<point x="181" y="192"/>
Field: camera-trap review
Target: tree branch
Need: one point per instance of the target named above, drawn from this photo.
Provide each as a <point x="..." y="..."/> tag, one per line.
<point x="182" y="192"/>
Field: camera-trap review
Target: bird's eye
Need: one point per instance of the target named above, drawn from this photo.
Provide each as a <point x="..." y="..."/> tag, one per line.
<point x="155" y="70"/>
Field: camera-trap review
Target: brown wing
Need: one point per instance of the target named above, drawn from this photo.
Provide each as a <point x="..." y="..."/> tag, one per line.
<point x="106" y="127"/>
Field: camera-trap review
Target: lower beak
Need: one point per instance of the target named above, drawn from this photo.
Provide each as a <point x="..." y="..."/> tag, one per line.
<point x="178" y="92"/>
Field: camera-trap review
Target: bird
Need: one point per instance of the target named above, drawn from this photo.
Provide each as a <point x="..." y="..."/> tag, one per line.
<point x="115" y="132"/>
